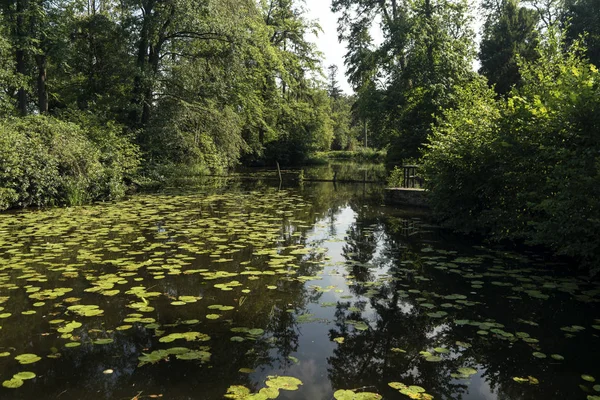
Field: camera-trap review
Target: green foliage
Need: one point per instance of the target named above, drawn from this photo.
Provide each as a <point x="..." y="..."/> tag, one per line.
<point x="396" y="177"/>
<point x="583" y="18"/>
<point x="459" y="162"/>
<point x="508" y="33"/>
<point x="8" y="77"/>
<point x="404" y="82"/>
<point x="46" y="161"/>
<point x="361" y="154"/>
<point x="525" y="169"/>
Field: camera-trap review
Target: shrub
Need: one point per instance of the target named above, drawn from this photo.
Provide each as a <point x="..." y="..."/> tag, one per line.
<point x="46" y="161"/>
<point x="527" y="169"/>
<point x="460" y="165"/>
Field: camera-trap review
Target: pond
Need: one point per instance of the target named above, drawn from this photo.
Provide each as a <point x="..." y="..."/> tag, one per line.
<point x="313" y="291"/>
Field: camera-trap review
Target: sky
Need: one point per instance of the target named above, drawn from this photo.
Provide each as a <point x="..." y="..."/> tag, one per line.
<point x="327" y="42"/>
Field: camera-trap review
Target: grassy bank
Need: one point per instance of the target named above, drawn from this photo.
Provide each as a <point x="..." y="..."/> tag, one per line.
<point x="361" y="155"/>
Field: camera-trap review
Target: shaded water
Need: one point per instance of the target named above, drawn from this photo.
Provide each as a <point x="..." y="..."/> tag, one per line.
<point x="338" y="170"/>
<point x="189" y="294"/>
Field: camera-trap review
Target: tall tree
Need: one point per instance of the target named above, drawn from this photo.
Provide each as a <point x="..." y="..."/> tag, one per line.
<point x="403" y="82"/>
<point x="509" y="32"/>
<point x="333" y="87"/>
<point x="8" y="77"/>
<point x="583" y="18"/>
<point x="550" y="12"/>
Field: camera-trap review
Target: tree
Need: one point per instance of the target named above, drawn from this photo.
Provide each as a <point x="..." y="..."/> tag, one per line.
<point x="333" y="88"/>
<point x="551" y="12"/>
<point x="508" y="33"/>
<point x="438" y="61"/>
<point x="8" y="77"/>
<point x="404" y="81"/>
<point x="583" y="18"/>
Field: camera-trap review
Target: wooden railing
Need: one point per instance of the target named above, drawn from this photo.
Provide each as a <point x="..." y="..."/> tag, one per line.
<point x="410" y="179"/>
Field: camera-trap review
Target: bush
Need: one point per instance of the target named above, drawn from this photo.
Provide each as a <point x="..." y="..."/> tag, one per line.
<point x="527" y="169"/>
<point x="460" y="163"/>
<point x="45" y="161"/>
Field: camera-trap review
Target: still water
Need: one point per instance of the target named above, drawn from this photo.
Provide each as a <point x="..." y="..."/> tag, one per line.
<point x="313" y="291"/>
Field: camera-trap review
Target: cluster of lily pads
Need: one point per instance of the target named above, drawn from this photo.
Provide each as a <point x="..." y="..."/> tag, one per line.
<point x="120" y="251"/>
<point x="129" y="256"/>
<point x="412" y="391"/>
<point x="273" y="385"/>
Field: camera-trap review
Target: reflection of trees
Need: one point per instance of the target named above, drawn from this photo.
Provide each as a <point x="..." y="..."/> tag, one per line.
<point x="347" y="170"/>
<point x="397" y="320"/>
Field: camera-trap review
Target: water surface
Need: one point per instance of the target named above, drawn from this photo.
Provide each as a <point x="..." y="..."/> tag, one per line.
<point x="185" y="295"/>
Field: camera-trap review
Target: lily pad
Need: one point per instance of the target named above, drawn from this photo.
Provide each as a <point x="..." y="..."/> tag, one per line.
<point x="283" y="382"/>
<point x="24" y="375"/>
<point x="467" y="371"/>
<point x="27" y="358"/>
<point x="13" y="383"/>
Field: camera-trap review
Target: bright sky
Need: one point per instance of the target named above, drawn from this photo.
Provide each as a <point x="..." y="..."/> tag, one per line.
<point x="327" y="42"/>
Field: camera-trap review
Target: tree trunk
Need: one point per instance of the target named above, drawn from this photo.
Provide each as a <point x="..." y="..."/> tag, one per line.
<point x="139" y="91"/>
<point x="20" y="55"/>
<point x="365" y="131"/>
<point x="41" y="83"/>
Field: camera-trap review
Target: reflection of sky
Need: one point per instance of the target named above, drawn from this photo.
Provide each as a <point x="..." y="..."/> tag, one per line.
<point x="479" y="389"/>
<point x="315" y="345"/>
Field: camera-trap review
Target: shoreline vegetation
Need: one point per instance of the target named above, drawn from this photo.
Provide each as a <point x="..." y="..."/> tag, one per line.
<point x="95" y="101"/>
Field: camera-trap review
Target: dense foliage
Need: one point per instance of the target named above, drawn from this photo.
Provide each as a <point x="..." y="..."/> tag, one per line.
<point x="525" y="168"/>
<point x="404" y="82"/>
<point x="48" y="161"/>
<point x="97" y="95"/>
<point x="188" y="86"/>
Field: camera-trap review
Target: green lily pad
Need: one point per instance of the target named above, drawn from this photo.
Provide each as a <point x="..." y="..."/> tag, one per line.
<point x="203" y="356"/>
<point x="24" y="375"/>
<point x="188" y="336"/>
<point x="268" y="393"/>
<point x="398" y="350"/>
<point x="237" y="392"/>
<point x="124" y="327"/>
<point x="588" y="378"/>
<point x="467" y="371"/>
<point x="283" y="382"/>
<point x="256" y="332"/>
<point x="397" y="385"/>
<point x="557" y="357"/>
<point x="27" y="358"/>
<point x="103" y="341"/>
<point x="13" y="383"/>
<point x="538" y="354"/>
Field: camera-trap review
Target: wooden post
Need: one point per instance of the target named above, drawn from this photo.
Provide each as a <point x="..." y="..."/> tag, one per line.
<point x="279" y="171"/>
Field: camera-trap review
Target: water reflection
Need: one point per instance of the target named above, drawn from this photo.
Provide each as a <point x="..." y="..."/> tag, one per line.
<point x="343" y="292"/>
